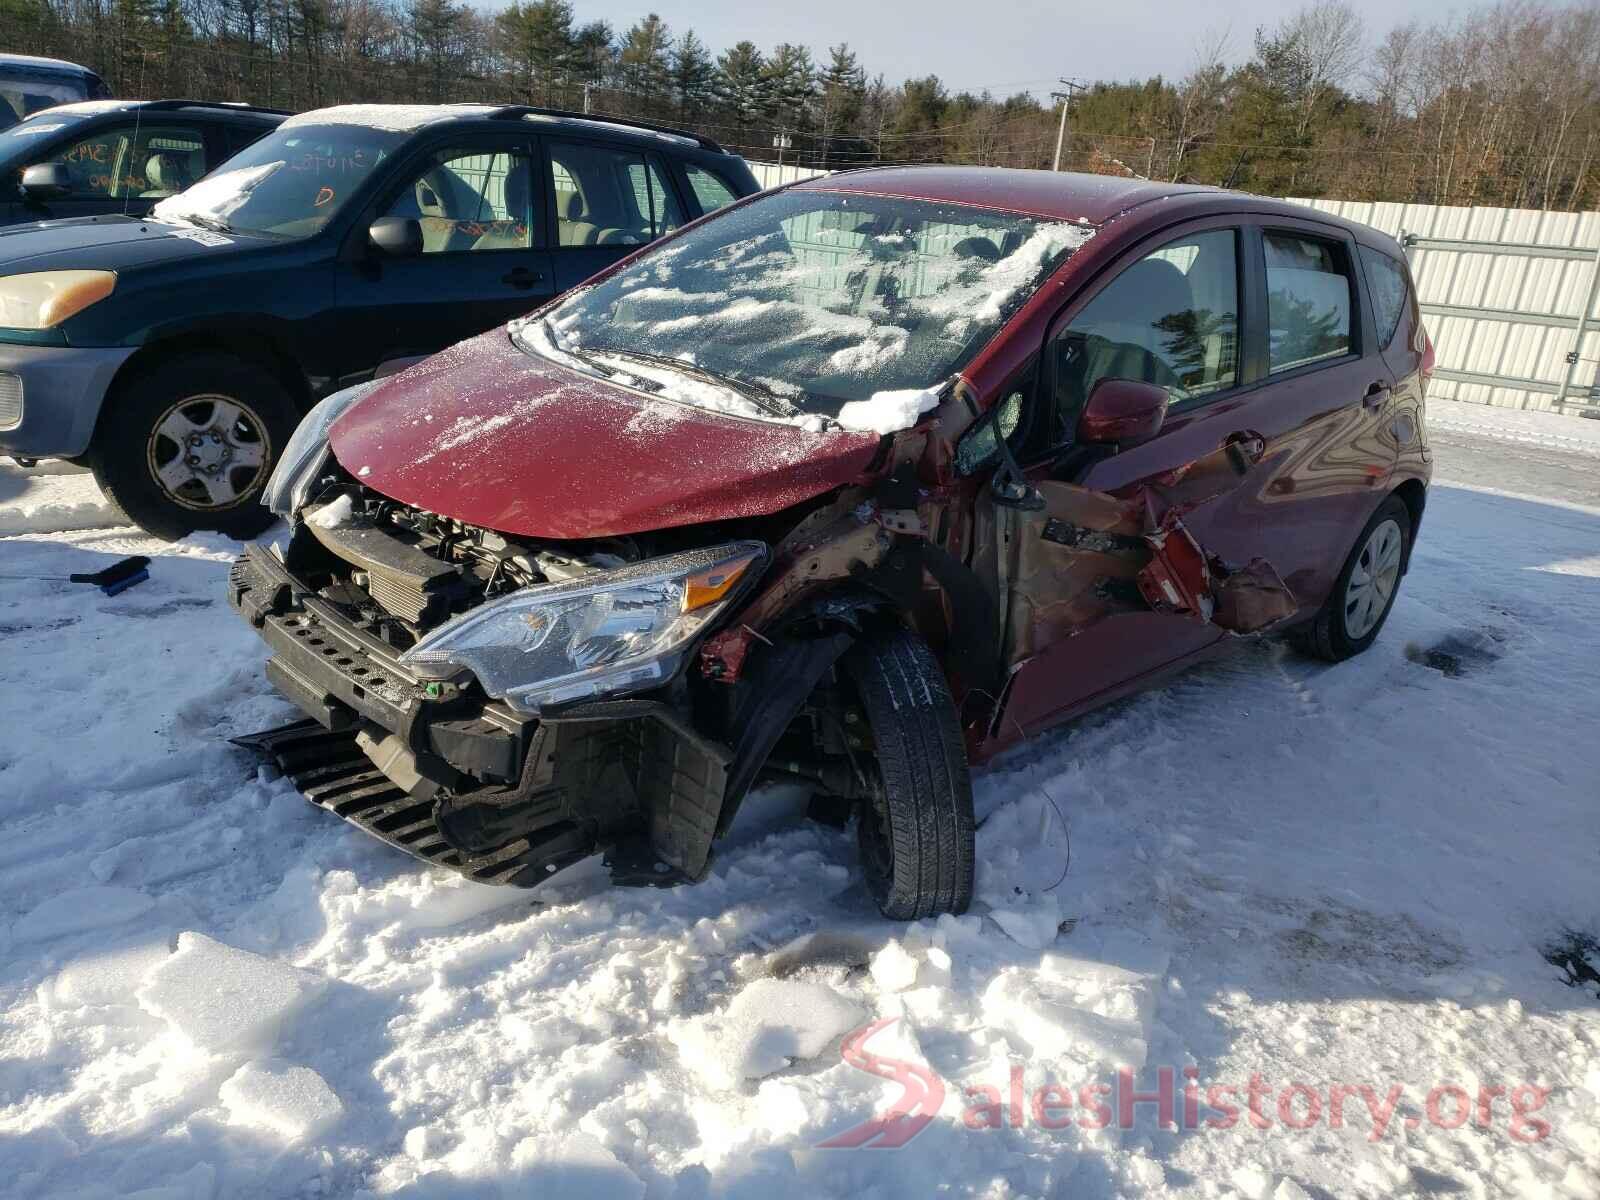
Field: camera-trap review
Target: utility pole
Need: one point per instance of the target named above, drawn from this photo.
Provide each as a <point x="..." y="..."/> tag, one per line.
<point x="1072" y="87"/>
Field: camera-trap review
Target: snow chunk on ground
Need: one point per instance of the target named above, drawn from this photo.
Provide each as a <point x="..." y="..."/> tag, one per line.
<point x="888" y="412"/>
<point x="80" y="910"/>
<point x="1094" y="1012"/>
<point x="222" y="999"/>
<point x="769" y="1024"/>
<point x="894" y="968"/>
<point x="292" y="1102"/>
<point x="106" y="978"/>
<point x="573" y="1168"/>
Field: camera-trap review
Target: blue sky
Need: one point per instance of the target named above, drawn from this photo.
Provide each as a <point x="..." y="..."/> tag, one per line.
<point x="1005" y="45"/>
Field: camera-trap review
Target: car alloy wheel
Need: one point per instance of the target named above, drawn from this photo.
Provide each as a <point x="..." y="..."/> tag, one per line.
<point x="208" y="451"/>
<point x="1373" y="580"/>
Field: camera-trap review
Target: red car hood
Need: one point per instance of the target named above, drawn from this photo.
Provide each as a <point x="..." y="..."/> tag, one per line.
<point x="493" y="436"/>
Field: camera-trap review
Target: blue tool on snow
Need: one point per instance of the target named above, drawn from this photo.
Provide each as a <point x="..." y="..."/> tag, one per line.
<point x="118" y="577"/>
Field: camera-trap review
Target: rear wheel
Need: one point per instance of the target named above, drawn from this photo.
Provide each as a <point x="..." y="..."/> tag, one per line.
<point x="190" y="445"/>
<point x="916" y="831"/>
<point x="1365" y="590"/>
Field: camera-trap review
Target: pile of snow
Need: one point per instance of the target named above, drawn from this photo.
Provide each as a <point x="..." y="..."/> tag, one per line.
<point x="52" y="497"/>
<point x="1530" y="428"/>
<point x="888" y="412"/>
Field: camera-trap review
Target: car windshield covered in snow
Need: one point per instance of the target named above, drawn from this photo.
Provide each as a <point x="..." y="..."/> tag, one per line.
<point x="801" y="303"/>
<point x="289" y="184"/>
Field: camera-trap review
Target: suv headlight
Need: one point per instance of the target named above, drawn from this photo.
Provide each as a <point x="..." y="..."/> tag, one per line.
<point x="303" y="458"/>
<point x="613" y="631"/>
<point x="44" y="299"/>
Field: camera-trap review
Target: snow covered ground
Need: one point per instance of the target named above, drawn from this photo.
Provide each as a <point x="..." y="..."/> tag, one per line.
<point x="1318" y="879"/>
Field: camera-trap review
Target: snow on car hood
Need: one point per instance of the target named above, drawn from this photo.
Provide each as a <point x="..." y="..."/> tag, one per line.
<point x="496" y="437"/>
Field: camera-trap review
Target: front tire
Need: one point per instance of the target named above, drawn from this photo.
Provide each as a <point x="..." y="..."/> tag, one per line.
<point x="189" y="446"/>
<point x="1365" y="590"/>
<point x="916" y="835"/>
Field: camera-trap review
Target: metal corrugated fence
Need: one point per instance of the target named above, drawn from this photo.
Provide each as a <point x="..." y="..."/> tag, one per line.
<point x="1504" y="293"/>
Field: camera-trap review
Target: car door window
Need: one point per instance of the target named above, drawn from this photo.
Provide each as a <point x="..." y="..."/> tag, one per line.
<point x="711" y="192"/>
<point x="605" y="196"/>
<point x="161" y="161"/>
<point x="1171" y="319"/>
<point x="1308" y="300"/>
<point x="92" y="162"/>
<point x="1391" y="292"/>
<point x="471" y="199"/>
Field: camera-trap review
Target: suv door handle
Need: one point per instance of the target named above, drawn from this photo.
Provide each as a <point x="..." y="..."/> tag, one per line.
<point x="522" y="277"/>
<point x="1377" y="393"/>
<point x="1245" y="446"/>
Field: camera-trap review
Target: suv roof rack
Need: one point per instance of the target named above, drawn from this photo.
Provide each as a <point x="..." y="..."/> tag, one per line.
<point x="229" y="105"/>
<point x="514" y="112"/>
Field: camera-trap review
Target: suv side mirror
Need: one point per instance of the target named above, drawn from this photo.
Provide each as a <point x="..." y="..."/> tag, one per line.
<point x="1123" y="411"/>
<point x="398" y="237"/>
<point x="46" y="181"/>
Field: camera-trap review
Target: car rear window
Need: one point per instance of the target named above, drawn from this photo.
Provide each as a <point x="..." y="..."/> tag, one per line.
<point x="1391" y="289"/>
<point x="1308" y="301"/>
<point x="709" y="188"/>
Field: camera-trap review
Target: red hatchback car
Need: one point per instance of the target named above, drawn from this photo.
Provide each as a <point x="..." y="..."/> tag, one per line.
<point x="852" y="483"/>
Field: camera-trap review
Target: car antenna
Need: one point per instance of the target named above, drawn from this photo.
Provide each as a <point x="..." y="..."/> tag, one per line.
<point x="138" y="116"/>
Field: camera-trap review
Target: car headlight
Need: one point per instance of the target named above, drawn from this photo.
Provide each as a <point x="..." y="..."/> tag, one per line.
<point x="614" y="631"/>
<point x="303" y="458"/>
<point x="44" y="299"/>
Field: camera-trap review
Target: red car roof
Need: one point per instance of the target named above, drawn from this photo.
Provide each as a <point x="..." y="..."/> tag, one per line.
<point x="1060" y="194"/>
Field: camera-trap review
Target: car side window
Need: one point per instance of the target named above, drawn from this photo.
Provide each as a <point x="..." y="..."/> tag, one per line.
<point x="471" y="199"/>
<point x="1171" y="319"/>
<point x="1309" y="310"/>
<point x="606" y="196"/>
<point x="92" y="162"/>
<point x="1391" y="292"/>
<point x="711" y="192"/>
<point x="162" y="162"/>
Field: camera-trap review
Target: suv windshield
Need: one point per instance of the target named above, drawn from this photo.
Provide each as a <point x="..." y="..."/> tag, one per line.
<point x="804" y="301"/>
<point x="24" y="93"/>
<point x="289" y="184"/>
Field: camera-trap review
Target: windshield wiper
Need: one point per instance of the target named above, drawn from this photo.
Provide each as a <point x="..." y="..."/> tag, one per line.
<point x="207" y="221"/>
<point x="765" y="399"/>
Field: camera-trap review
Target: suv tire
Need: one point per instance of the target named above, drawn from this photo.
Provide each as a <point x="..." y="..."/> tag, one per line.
<point x="916" y="837"/>
<point x="189" y="446"/>
<point x="1364" y="592"/>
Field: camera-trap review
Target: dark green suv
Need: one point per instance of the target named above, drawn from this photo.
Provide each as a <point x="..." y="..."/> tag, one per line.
<point x="174" y="354"/>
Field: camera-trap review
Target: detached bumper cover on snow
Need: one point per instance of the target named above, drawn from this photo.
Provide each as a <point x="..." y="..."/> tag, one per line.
<point x="469" y="784"/>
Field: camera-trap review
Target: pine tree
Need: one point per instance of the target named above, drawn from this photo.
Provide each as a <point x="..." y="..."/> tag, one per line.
<point x="539" y="41"/>
<point x="694" y="75"/>
<point x="645" y="59"/>
<point x="791" y="83"/>
<point x="741" y="83"/>
<point x="843" y="86"/>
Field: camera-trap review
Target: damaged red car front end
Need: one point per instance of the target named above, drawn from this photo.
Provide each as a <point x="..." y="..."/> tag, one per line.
<point x="853" y="485"/>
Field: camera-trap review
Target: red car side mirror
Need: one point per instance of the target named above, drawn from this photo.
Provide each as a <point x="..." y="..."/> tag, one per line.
<point x="1123" y="411"/>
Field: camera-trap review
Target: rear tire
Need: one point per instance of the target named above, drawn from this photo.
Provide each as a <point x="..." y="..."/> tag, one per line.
<point x="1363" y="595"/>
<point x="916" y="837"/>
<point x="237" y="416"/>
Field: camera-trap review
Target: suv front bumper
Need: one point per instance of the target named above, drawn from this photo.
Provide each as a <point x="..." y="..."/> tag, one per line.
<point x="62" y="389"/>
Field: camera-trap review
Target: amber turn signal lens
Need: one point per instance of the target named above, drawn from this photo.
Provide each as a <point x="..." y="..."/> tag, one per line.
<point x="77" y="291"/>
<point x="712" y="584"/>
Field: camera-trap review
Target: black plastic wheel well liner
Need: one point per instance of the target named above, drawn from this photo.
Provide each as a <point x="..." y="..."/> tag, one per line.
<point x="768" y="697"/>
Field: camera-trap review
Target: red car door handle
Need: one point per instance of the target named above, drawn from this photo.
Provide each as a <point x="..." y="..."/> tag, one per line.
<point x="521" y="277"/>
<point x="1377" y="393"/>
<point x="1245" y="446"/>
